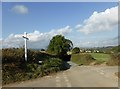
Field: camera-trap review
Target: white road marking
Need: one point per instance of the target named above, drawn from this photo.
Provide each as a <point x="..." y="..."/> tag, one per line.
<point x="58" y="82"/>
<point x="57" y="77"/>
<point x="48" y="76"/>
<point x="66" y="80"/>
<point x="102" y="72"/>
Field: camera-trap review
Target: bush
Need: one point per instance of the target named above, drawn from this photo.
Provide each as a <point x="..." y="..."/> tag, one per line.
<point x="53" y="64"/>
<point x="42" y="49"/>
<point x="16" y="69"/>
<point x="16" y="55"/>
<point x="59" y="45"/>
<point x="76" y="50"/>
<point x="35" y="56"/>
<point x="31" y="67"/>
<point x="12" y="55"/>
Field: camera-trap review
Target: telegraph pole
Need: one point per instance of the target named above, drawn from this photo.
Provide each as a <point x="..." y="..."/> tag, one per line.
<point x="25" y="38"/>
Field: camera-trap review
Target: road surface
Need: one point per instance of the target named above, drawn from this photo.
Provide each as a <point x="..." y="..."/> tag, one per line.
<point x="76" y="76"/>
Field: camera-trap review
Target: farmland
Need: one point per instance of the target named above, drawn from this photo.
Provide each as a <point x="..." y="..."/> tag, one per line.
<point x="101" y="57"/>
<point x="88" y="58"/>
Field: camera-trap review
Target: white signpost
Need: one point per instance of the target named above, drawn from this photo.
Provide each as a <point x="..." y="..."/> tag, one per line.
<point x="25" y="38"/>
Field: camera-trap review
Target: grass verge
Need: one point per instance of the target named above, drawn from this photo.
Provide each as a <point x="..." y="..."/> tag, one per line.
<point x="82" y="59"/>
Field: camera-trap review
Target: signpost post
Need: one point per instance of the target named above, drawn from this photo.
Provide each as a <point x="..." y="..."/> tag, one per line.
<point x="25" y="38"/>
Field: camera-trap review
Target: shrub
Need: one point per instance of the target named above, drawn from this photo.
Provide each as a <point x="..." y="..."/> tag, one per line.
<point x="42" y="49"/>
<point x="59" y="45"/>
<point x="12" y="55"/>
<point x="53" y="64"/>
<point x="76" y="50"/>
<point x="16" y="69"/>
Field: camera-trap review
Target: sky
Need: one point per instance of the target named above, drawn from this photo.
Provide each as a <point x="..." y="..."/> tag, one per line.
<point x="86" y="24"/>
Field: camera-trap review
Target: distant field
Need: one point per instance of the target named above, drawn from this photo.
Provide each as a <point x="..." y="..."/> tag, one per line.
<point x="101" y="57"/>
<point x="96" y="59"/>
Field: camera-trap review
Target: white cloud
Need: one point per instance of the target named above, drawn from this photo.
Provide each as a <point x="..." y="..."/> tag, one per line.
<point x="20" y="9"/>
<point x="36" y="39"/>
<point x="78" y="26"/>
<point x="100" y="21"/>
<point x="100" y="43"/>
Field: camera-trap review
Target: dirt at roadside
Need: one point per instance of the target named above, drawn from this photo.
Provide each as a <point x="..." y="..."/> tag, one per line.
<point x="117" y="74"/>
<point x="94" y="64"/>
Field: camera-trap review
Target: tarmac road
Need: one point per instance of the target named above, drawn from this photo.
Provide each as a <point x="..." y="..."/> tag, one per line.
<point x="76" y="76"/>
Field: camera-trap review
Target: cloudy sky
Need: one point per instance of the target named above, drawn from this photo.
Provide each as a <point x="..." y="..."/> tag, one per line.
<point x="92" y="24"/>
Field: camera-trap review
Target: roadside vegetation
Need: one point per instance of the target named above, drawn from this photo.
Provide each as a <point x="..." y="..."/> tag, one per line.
<point x="51" y="60"/>
<point x="59" y="46"/>
<point x="96" y="59"/>
<point x="75" y="50"/>
<point x="82" y="59"/>
<point x="110" y="58"/>
<point x="115" y="57"/>
<point x="15" y="68"/>
<point x="115" y="60"/>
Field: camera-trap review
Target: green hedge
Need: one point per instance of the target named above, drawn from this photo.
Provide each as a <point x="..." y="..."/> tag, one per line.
<point x="14" y="73"/>
<point x="16" y="69"/>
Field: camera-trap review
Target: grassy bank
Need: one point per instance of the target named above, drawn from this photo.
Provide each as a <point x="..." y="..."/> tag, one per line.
<point x="96" y="58"/>
<point x="115" y="60"/>
<point x="16" y="69"/>
<point x="82" y="59"/>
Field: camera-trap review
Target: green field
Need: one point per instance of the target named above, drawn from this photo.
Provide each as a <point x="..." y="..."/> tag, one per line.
<point x="101" y="57"/>
<point x="88" y="58"/>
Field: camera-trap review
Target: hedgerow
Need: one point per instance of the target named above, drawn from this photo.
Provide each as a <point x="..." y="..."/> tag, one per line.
<point x="15" y="68"/>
